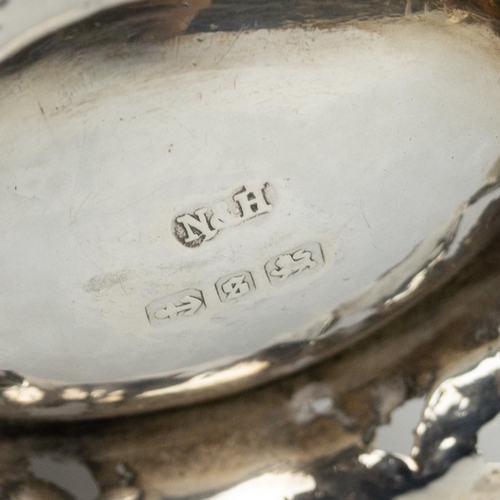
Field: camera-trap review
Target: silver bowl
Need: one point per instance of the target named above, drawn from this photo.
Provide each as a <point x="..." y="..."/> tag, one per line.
<point x="199" y="198"/>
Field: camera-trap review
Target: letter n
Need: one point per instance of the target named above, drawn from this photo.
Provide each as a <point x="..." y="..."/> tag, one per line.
<point x="196" y="226"/>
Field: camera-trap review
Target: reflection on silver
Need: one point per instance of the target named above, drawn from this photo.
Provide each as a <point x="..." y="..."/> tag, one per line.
<point x="74" y="394"/>
<point x="446" y="434"/>
<point x="454" y="413"/>
<point x="373" y="458"/>
<point x="317" y="400"/>
<point x="446" y="437"/>
<point x="270" y="486"/>
<point x="123" y="494"/>
<point x="210" y="379"/>
<point x="24" y="394"/>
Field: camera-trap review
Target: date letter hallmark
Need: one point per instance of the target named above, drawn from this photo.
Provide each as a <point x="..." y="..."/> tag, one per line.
<point x="180" y="305"/>
<point x="235" y="286"/>
<point x="194" y="228"/>
<point x="294" y="263"/>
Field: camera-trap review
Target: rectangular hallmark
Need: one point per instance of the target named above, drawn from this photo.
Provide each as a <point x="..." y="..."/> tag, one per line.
<point x="177" y="306"/>
<point x="295" y="263"/>
<point x="194" y="228"/>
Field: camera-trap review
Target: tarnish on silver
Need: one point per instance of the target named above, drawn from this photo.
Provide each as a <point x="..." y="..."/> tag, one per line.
<point x="25" y="22"/>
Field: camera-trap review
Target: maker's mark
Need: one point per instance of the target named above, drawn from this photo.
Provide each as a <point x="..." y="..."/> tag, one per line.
<point x="200" y="225"/>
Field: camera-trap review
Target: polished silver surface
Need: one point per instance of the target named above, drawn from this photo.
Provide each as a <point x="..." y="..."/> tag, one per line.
<point x="191" y="209"/>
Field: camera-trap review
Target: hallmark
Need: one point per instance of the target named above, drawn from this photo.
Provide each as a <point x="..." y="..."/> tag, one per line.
<point x="203" y="224"/>
<point x="281" y="269"/>
<point x="235" y="286"/>
<point x="180" y="305"/>
<point x="299" y="261"/>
